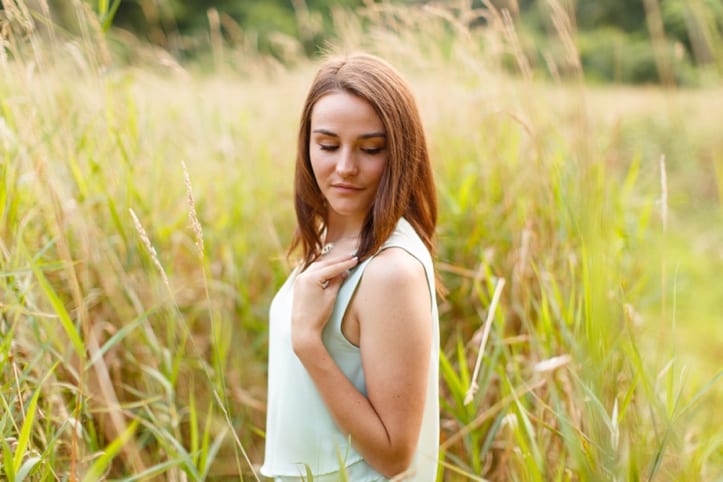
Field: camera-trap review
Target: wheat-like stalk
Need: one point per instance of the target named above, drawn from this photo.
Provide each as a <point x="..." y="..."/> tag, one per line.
<point x="192" y="216"/>
<point x="663" y="193"/>
<point x="514" y="40"/>
<point x="488" y="323"/>
<point x="149" y="247"/>
<point x="565" y="30"/>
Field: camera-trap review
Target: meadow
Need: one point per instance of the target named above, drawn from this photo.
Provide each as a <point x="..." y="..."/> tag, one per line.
<point x="146" y="206"/>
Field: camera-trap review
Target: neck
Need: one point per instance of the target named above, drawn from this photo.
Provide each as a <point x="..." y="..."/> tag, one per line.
<point x="330" y="238"/>
<point x="339" y="230"/>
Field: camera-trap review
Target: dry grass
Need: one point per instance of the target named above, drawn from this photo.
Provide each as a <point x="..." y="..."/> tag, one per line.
<point x="151" y="327"/>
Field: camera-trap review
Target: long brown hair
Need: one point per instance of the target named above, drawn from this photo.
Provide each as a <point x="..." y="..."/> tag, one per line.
<point x="406" y="188"/>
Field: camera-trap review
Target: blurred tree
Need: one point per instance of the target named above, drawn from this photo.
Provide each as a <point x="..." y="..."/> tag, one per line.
<point x="693" y="29"/>
<point x="188" y="17"/>
<point x="613" y="37"/>
<point x="696" y="24"/>
<point x="627" y="15"/>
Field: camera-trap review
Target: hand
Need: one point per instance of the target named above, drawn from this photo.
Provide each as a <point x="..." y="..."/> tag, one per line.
<point x="315" y="291"/>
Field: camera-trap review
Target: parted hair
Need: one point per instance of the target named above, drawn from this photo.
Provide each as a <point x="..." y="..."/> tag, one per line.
<point x="406" y="188"/>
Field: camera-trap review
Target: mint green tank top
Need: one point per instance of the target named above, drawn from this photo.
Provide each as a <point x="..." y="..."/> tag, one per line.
<point x="300" y="432"/>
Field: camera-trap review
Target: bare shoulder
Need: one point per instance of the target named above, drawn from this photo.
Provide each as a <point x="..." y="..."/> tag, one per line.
<point x="393" y="279"/>
<point x="394" y="267"/>
<point x="391" y="299"/>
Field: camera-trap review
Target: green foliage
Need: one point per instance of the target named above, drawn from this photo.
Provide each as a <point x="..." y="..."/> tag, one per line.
<point x="163" y="21"/>
<point x="102" y="463"/>
<point x="107" y="12"/>
<point x="626" y="15"/>
<point x="602" y="357"/>
<point x="610" y="54"/>
<point x="613" y="37"/>
<point x="698" y="25"/>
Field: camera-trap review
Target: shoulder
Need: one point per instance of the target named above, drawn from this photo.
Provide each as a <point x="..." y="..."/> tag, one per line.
<point x="393" y="279"/>
<point x="393" y="304"/>
<point x="394" y="267"/>
<point x="406" y="237"/>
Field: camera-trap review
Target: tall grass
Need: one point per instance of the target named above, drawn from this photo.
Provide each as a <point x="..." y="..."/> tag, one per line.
<point x="134" y="346"/>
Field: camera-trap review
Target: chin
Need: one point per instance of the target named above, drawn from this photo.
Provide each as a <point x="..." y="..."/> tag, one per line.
<point x="346" y="210"/>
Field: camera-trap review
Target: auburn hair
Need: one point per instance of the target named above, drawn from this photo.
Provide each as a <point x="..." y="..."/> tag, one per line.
<point x="406" y="188"/>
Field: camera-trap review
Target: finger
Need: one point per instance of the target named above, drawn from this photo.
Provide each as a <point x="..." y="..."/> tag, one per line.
<point x="330" y="260"/>
<point x="334" y="283"/>
<point x="335" y="270"/>
<point x="332" y="264"/>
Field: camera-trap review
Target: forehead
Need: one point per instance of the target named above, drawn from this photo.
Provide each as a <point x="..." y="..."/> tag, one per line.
<point x="340" y="110"/>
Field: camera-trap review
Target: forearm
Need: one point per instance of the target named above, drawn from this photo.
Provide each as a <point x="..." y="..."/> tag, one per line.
<point x="353" y="412"/>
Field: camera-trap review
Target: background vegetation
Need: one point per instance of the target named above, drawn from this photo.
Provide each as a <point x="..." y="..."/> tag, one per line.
<point x="631" y="41"/>
<point x="145" y="206"/>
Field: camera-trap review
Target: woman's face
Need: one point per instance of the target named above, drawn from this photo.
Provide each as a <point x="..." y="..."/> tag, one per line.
<point x="348" y="152"/>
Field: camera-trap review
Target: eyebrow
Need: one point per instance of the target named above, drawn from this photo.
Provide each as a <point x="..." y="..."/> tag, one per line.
<point x="363" y="136"/>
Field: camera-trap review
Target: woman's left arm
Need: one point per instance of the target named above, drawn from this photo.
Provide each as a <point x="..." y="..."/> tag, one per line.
<point x="393" y="307"/>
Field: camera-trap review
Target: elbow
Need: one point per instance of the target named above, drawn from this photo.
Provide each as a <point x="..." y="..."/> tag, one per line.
<point x="398" y="462"/>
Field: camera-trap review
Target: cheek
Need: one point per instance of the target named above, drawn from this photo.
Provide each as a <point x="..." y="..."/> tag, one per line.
<point x="319" y="161"/>
<point x="379" y="171"/>
<point x="317" y="165"/>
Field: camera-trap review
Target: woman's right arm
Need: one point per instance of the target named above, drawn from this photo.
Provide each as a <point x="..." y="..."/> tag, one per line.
<point x="392" y="307"/>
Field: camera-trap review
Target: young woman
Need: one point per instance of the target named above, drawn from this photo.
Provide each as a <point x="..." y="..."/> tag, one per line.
<point x="354" y="335"/>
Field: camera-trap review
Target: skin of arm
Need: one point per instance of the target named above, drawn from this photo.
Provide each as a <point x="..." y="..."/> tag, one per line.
<point x="392" y="309"/>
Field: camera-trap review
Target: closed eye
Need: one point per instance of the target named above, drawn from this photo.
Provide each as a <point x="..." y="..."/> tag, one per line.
<point x="328" y="147"/>
<point x="373" y="150"/>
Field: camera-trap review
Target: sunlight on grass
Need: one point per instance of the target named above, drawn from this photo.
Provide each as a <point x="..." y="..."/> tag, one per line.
<point x="134" y="346"/>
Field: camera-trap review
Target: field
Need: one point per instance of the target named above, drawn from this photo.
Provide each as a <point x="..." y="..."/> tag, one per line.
<point x="145" y="210"/>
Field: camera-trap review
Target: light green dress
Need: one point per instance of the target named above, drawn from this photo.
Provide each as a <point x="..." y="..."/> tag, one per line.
<point x="300" y="432"/>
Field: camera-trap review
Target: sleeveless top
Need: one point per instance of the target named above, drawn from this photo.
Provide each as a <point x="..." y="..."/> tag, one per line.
<point x="300" y="432"/>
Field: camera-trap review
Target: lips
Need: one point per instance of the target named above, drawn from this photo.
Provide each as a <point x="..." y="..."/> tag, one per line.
<point x="346" y="187"/>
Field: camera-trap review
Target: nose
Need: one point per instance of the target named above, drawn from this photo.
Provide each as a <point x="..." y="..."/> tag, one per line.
<point x="346" y="164"/>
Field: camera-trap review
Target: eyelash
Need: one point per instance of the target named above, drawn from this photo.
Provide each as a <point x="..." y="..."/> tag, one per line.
<point x="372" y="151"/>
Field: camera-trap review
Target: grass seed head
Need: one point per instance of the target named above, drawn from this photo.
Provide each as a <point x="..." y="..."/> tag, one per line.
<point x="192" y="216"/>
<point x="149" y="247"/>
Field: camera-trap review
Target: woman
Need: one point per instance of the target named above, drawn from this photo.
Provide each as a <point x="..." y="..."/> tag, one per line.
<point x="354" y="335"/>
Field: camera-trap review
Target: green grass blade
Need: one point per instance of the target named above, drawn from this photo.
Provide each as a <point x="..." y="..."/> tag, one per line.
<point x="8" y="467"/>
<point x="309" y="475"/>
<point x="120" y="334"/>
<point x="699" y="394"/>
<point x="99" y="466"/>
<point x="28" y="424"/>
<point x="205" y="461"/>
<point x="209" y="453"/>
<point x="153" y="471"/>
<point x="26" y="468"/>
<point x="110" y="15"/>
<point x="193" y="425"/>
<point x="62" y="313"/>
